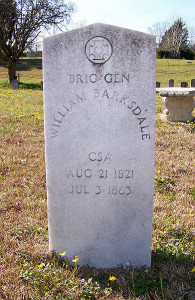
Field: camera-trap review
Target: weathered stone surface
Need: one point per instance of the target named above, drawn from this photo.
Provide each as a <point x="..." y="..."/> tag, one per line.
<point x="99" y="103"/>
<point x="179" y="109"/>
<point x="179" y="103"/>
<point x="176" y="92"/>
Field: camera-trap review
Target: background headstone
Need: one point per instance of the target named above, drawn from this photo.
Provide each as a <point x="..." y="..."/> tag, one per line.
<point x="99" y="105"/>
<point x="14" y="84"/>
<point x="171" y="83"/>
<point x="157" y="84"/>
<point x="192" y="82"/>
<point x="184" y="84"/>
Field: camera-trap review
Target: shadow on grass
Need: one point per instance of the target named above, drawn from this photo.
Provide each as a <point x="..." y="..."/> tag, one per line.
<point x="25" y="64"/>
<point x="30" y="85"/>
<point x="22" y="85"/>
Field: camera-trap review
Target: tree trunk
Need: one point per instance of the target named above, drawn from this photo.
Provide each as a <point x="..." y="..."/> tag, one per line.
<point x="12" y="69"/>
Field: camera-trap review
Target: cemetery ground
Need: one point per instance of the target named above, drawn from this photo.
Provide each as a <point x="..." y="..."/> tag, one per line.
<point x="27" y="270"/>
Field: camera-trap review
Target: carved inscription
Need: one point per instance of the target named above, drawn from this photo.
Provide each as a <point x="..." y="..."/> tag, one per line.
<point x="62" y="113"/>
<point x="93" y="78"/>
<point x="98" y="156"/>
<point x="136" y="110"/>
<point x="123" y="99"/>
<point x="121" y="178"/>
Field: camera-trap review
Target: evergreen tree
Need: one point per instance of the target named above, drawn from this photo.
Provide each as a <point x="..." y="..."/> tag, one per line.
<point x="175" y="38"/>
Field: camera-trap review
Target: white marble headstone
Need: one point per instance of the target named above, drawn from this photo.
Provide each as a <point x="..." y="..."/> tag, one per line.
<point x="99" y="103"/>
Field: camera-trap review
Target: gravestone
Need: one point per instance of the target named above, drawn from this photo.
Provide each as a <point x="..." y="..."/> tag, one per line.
<point x="14" y="84"/>
<point x="184" y="84"/>
<point x="157" y="84"/>
<point x="99" y="111"/>
<point x="192" y="82"/>
<point x="171" y="83"/>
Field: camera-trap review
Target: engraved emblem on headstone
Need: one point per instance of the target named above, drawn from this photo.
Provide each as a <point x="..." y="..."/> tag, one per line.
<point x="98" y="50"/>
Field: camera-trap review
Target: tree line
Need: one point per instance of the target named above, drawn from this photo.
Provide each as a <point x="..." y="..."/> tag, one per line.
<point x="22" y="21"/>
<point x="174" y="41"/>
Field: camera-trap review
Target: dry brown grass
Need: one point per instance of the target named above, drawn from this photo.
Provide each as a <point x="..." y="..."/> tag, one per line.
<point x="23" y="211"/>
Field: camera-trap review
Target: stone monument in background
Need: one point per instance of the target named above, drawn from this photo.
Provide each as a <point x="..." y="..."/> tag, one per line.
<point x="99" y="106"/>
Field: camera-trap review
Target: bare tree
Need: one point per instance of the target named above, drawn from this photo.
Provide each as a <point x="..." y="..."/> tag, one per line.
<point x="158" y="29"/>
<point x="191" y="36"/>
<point x="21" y="22"/>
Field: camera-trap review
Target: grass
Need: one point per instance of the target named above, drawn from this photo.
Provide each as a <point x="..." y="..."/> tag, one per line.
<point x="177" y="69"/>
<point x="27" y="70"/>
<point x="27" y="270"/>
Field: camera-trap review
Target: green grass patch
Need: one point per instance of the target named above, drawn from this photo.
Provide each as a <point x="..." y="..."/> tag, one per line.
<point x="177" y="69"/>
